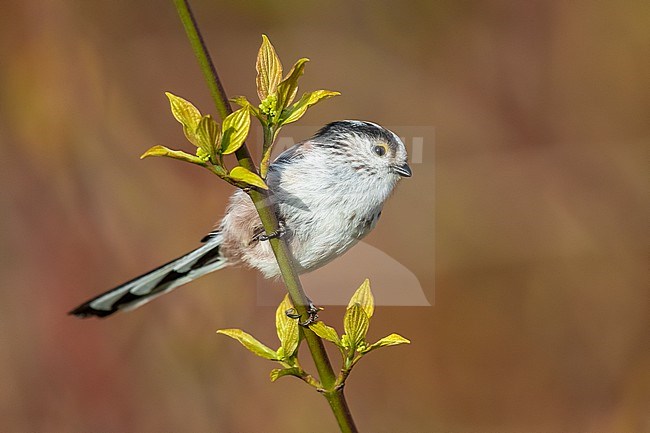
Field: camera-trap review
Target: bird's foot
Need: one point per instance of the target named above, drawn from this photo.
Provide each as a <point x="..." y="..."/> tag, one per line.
<point x="312" y="314"/>
<point x="275" y="234"/>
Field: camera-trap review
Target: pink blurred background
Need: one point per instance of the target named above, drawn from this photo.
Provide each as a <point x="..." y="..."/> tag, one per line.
<point x="540" y="111"/>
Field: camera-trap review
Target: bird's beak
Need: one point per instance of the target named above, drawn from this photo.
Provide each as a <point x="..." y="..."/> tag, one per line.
<point x="403" y="170"/>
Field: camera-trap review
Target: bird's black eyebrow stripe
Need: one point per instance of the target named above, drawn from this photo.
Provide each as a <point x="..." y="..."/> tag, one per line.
<point x="326" y="145"/>
<point x="341" y="130"/>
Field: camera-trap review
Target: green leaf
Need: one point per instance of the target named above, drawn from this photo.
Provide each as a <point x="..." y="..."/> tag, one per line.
<point x="287" y="328"/>
<point x="250" y="343"/>
<point x="355" y="324"/>
<point x="326" y="332"/>
<point x="278" y="373"/>
<point x="234" y="130"/>
<point x="243" y="102"/>
<point x="207" y="134"/>
<point x="246" y="176"/>
<point x="363" y="296"/>
<point x="391" y="340"/>
<point x="289" y="86"/>
<point x="190" y="134"/>
<point x="269" y="69"/>
<point x="186" y="113"/>
<point x="176" y="154"/>
<point x="297" y="110"/>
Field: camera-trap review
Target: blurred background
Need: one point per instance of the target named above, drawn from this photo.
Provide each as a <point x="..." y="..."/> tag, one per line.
<point x="540" y="311"/>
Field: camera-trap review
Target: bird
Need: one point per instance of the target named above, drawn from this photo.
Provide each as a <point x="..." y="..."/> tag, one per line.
<point x="328" y="192"/>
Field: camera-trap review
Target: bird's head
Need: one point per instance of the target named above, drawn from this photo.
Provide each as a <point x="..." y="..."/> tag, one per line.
<point x="370" y="150"/>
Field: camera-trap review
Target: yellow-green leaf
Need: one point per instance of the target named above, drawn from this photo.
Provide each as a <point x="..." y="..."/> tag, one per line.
<point x="287" y="328"/>
<point x="250" y="343"/>
<point x="186" y="113"/>
<point x="176" y="154"/>
<point x="269" y="69"/>
<point x="355" y="324"/>
<point x="244" y="175"/>
<point x="207" y="134"/>
<point x="190" y="134"/>
<point x="243" y="102"/>
<point x="363" y="296"/>
<point x="326" y="332"/>
<point x="234" y="130"/>
<point x="278" y="373"/>
<point x="391" y="340"/>
<point x="297" y="110"/>
<point x="289" y="86"/>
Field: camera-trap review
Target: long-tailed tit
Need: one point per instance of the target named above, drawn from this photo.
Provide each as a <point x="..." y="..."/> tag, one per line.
<point x="328" y="192"/>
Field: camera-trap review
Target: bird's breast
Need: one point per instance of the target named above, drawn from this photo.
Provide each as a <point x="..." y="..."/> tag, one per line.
<point x="320" y="232"/>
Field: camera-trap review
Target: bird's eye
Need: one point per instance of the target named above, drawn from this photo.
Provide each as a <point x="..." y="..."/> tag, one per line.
<point x="380" y="149"/>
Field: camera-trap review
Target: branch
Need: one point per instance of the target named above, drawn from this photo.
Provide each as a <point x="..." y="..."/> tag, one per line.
<point x="332" y="393"/>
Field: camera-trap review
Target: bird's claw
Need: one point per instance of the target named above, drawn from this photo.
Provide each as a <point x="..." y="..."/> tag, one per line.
<point x="292" y="313"/>
<point x="312" y="314"/>
<point x="275" y="234"/>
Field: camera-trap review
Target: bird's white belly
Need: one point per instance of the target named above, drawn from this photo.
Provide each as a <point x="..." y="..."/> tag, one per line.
<point x="328" y="235"/>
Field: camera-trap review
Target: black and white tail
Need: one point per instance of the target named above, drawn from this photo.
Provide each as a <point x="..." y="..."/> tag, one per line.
<point x="164" y="279"/>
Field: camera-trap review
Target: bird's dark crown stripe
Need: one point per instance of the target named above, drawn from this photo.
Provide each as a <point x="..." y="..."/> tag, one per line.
<point x="340" y="132"/>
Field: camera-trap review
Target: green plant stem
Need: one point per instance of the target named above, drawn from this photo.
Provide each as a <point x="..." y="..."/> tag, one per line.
<point x="264" y="206"/>
<point x="269" y="136"/>
<point x="201" y="53"/>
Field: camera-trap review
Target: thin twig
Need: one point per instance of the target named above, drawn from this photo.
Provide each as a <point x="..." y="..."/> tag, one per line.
<point x="265" y="208"/>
